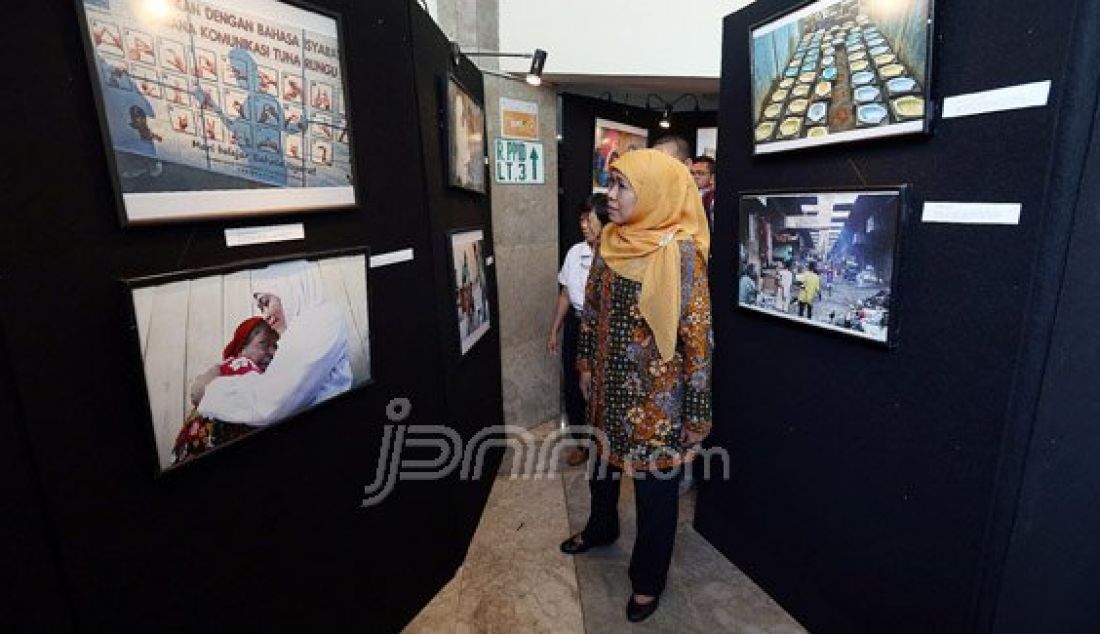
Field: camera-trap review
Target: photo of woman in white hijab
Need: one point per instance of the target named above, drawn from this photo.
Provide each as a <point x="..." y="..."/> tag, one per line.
<point x="304" y="324"/>
<point x="311" y="364"/>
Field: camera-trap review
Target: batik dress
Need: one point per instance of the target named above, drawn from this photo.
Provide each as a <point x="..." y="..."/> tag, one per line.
<point x="643" y="405"/>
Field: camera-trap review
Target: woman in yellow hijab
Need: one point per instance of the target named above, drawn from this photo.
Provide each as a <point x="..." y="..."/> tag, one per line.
<point x="644" y="359"/>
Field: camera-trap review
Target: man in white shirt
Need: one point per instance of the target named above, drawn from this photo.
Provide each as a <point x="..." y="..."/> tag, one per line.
<point x="572" y="279"/>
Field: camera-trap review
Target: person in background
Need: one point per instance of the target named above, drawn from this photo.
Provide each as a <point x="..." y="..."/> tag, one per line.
<point x="675" y="146"/>
<point x="811" y="285"/>
<point x="702" y="170"/>
<point x="747" y="286"/>
<point x="251" y="349"/>
<point x="312" y="365"/>
<point x="784" y="281"/>
<point x="572" y="279"/>
<point x="644" y="358"/>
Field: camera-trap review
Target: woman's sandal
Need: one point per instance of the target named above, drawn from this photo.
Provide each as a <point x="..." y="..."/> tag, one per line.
<point x="577" y="544"/>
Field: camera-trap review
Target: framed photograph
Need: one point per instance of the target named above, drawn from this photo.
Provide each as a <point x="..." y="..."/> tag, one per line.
<point x="183" y="90"/>
<point x="230" y="351"/>
<point x="824" y="259"/>
<point x="834" y="71"/>
<point x="706" y="142"/>
<point x="465" y="139"/>
<point x="471" y="286"/>
<point x="613" y="139"/>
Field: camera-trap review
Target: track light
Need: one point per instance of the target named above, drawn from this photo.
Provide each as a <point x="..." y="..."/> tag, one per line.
<point x="666" y="118"/>
<point x="538" y="60"/>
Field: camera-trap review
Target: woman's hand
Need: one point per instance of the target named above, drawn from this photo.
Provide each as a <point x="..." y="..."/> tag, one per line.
<point x="692" y="443"/>
<point x="198" y="386"/>
<point x="552" y="344"/>
<point x="586" y="384"/>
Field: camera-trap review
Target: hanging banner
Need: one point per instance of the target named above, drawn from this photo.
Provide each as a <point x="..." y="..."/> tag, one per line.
<point x="519" y="119"/>
<point x="519" y="163"/>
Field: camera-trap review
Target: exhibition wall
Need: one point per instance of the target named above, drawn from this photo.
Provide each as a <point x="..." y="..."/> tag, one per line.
<point x="1052" y="566"/>
<point x="269" y="533"/>
<point x="877" y="489"/>
<point x="472" y="381"/>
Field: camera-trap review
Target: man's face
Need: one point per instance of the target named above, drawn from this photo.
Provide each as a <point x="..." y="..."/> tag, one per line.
<point x="701" y="173"/>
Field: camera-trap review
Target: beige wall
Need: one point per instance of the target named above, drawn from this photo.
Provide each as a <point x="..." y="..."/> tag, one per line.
<point x="471" y="23"/>
<point x="525" y="241"/>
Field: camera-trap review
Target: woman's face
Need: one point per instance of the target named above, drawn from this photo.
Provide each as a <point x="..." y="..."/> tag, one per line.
<point x="590" y="227"/>
<point x="621" y="199"/>
<point x="271" y="307"/>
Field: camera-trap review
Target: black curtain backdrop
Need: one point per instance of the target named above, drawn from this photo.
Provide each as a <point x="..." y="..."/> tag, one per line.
<point x="872" y="489"/>
<point x="270" y="533"/>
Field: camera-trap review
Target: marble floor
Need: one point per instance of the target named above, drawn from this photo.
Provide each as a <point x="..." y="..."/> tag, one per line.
<point x="514" y="579"/>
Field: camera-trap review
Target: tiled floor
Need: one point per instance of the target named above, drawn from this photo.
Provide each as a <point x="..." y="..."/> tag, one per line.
<point x="514" y="578"/>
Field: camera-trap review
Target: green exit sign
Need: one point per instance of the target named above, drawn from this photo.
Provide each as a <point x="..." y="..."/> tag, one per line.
<point x="519" y="163"/>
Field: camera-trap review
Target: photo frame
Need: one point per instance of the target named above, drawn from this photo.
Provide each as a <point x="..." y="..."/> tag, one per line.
<point x="229" y="351"/>
<point x="465" y="131"/>
<point x="213" y="113"/>
<point x="470" y="286"/>
<point x="706" y="142"/>
<point x="825" y="259"/>
<point x="612" y="140"/>
<point x="837" y="71"/>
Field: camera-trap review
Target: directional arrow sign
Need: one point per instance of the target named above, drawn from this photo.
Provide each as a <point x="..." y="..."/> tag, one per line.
<point x="519" y="162"/>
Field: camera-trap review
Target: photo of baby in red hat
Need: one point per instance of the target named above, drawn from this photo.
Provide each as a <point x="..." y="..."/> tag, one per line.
<point x="250" y="350"/>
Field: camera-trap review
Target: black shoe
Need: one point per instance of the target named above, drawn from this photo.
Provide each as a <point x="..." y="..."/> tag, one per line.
<point x="637" y="612"/>
<point x="575" y="546"/>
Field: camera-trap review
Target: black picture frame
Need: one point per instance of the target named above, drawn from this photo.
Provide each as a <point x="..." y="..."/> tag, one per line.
<point x="128" y="288"/>
<point x="469" y="341"/>
<point x="451" y="87"/>
<point x="883" y="98"/>
<point x="228" y="197"/>
<point x="857" y="308"/>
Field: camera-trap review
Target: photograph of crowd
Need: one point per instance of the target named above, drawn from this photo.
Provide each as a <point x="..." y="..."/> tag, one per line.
<point x="824" y="259"/>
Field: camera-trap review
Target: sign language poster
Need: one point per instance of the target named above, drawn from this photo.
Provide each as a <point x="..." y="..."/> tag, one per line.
<point x="221" y="108"/>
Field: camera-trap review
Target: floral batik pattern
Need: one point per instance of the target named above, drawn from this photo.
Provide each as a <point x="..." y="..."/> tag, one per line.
<point x="651" y="412"/>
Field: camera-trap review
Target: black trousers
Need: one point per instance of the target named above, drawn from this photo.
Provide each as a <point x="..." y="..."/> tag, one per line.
<point x="806" y="307"/>
<point x="574" y="400"/>
<point x="656" y="499"/>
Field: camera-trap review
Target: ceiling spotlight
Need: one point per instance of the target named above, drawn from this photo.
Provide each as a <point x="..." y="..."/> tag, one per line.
<point x="538" y="60"/>
<point x="534" y="76"/>
<point x="666" y="118"/>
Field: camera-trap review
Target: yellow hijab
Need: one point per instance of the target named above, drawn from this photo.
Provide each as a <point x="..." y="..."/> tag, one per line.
<point x="668" y="209"/>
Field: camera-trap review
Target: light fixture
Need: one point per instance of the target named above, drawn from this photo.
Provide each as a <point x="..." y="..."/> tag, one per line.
<point x="665" y="121"/>
<point x="538" y="60"/>
<point x="534" y="75"/>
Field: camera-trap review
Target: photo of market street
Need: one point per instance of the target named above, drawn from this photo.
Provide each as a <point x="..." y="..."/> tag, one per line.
<point x="826" y="259"/>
